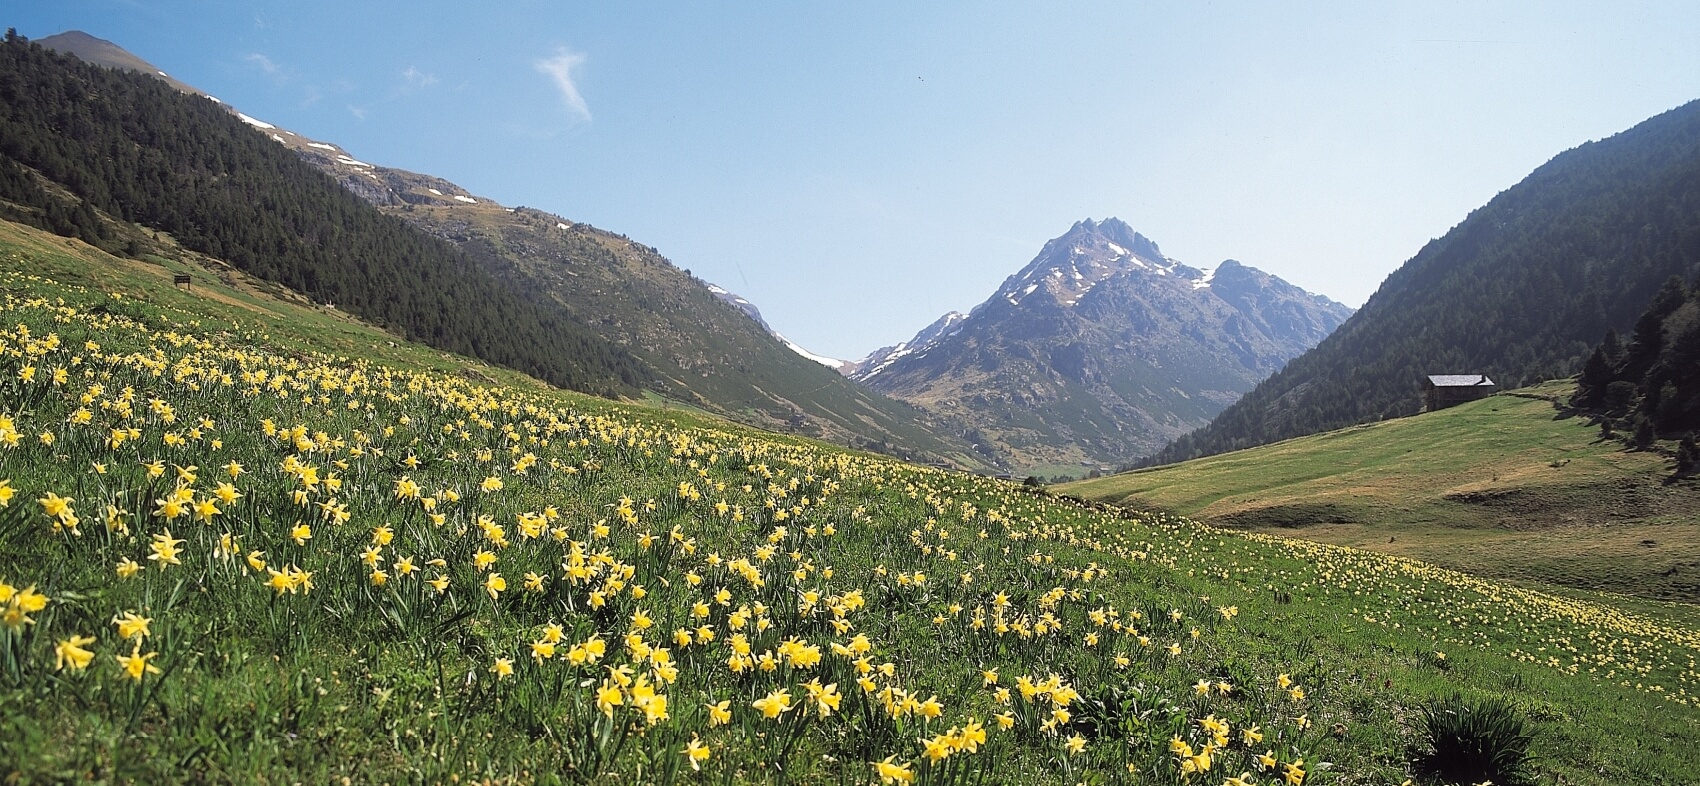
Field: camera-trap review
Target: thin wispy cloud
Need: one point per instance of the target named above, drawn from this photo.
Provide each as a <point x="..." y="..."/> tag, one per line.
<point x="417" y="78"/>
<point x="559" y="69"/>
<point x="263" y="63"/>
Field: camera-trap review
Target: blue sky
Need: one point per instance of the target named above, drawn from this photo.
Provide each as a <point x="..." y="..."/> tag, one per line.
<point x="858" y="169"/>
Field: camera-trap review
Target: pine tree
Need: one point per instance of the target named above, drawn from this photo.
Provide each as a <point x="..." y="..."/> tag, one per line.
<point x="1648" y="338"/>
<point x="1645" y="435"/>
<point x="1613" y="347"/>
<point x="1591" y="384"/>
<point x="1687" y="456"/>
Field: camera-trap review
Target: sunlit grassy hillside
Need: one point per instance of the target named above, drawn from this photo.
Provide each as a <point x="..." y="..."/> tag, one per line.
<point x="227" y="556"/>
<point x="1508" y="487"/>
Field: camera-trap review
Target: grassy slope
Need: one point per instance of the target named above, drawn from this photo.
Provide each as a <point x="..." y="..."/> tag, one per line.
<point x="228" y="299"/>
<point x="225" y="299"/>
<point x="1500" y="487"/>
<point x="259" y="687"/>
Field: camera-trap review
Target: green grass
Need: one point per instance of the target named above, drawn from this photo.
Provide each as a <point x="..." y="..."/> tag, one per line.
<point x="224" y="299"/>
<point x="1506" y="487"/>
<point x="1047" y="471"/>
<point x="393" y="682"/>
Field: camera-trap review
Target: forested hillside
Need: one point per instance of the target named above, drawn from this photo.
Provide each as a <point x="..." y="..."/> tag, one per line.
<point x="1520" y="290"/>
<point x="1651" y="387"/>
<point x="78" y="141"/>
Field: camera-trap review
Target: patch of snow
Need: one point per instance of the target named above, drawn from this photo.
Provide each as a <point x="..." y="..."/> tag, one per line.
<point x="712" y="288"/>
<point x="251" y="121"/>
<point x="321" y="145"/>
<point x="559" y="225"/>
<point x="1120" y="252"/>
<point x="166" y="75"/>
<point x="434" y="191"/>
<point x="466" y="199"/>
<point x="833" y="363"/>
<point x="277" y="138"/>
<point x="1082" y="293"/>
<point x="1015" y="298"/>
<point x="214" y="100"/>
<point x="351" y="162"/>
<point x="902" y="350"/>
<point x="1205" y="281"/>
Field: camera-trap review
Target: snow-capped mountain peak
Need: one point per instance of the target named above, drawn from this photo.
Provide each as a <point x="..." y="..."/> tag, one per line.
<point x="1102" y="348"/>
<point x="1072" y="265"/>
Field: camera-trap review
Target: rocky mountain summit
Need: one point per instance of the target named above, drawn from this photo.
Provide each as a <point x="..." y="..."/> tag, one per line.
<point x="1102" y="349"/>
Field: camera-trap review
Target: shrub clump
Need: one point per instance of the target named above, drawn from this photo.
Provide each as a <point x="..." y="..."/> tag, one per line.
<point x="1475" y="740"/>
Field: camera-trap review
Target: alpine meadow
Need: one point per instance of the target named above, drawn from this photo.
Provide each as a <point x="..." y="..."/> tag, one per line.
<point x="320" y="471"/>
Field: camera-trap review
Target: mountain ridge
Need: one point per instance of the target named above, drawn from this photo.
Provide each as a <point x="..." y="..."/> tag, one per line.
<point x="1520" y="290"/>
<point x="1102" y="348"/>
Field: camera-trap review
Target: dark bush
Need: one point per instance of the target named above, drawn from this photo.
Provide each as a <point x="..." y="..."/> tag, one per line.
<point x="1471" y="741"/>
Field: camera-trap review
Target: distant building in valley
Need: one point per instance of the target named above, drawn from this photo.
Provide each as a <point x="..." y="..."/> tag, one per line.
<point x="1448" y="390"/>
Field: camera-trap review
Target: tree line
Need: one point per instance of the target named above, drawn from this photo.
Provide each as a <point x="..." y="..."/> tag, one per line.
<point x="1649" y="388"/>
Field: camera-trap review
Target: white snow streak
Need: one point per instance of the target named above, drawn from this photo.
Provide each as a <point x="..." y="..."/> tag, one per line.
<point x="821" y="359"/>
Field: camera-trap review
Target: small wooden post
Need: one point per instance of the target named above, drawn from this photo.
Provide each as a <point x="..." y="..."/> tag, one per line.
<point x="182" y="280"/>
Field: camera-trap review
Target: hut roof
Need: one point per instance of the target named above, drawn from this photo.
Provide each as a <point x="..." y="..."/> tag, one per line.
<point x="1458" y="380"/>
